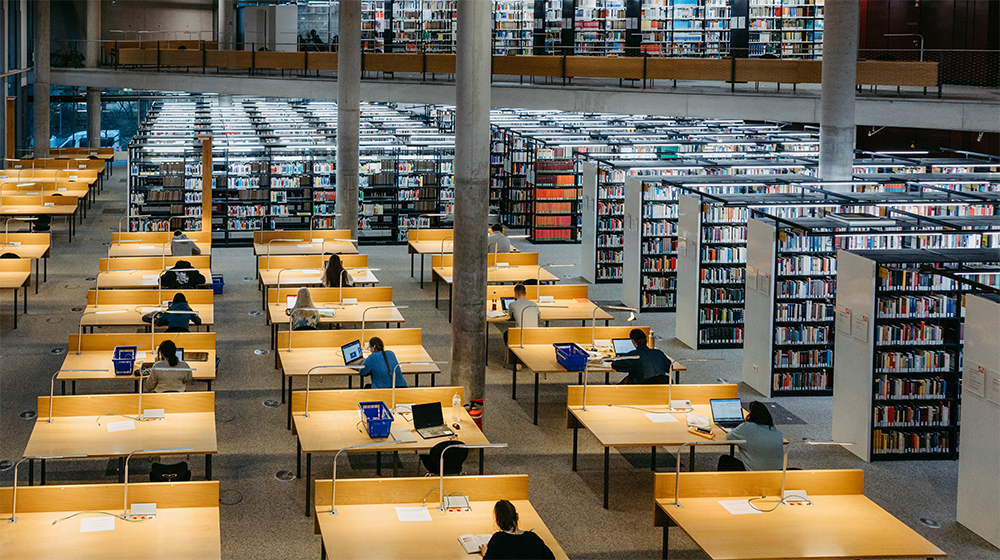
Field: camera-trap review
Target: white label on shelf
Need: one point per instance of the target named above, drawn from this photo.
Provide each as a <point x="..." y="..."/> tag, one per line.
<point x="844" y="321"/>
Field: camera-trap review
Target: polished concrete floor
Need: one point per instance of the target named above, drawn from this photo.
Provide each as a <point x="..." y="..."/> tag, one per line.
<point x="262" y="516"/>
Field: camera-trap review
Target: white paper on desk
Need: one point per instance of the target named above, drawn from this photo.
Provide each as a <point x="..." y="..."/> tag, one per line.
<point x="121" y="426"/>
<point x="35" y="193"/>
<point x="150" y="309"/>
<point x="61" y="189"/>
<point x="402" y="434"/>
<point x="602" y="343"/>
<point x="447" y="278"/>
<point x="15" y="243"/>
<point x="661" y="417"/>
<point x="94" y="524"/>
<point x="738" y="507"/>
<point x="305" y="245"/>
<point x="140" y="355"/>
<point x="150" y="276"/>
<point x="13" y="209"/>
<point x="350" y="301"/>
<point x="73" y="177"/>
<point x="50" y="204"/>
<point x="502" y="265"/>
<point x="413" y="514"/>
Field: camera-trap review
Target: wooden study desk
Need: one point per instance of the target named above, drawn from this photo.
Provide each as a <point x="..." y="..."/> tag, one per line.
<point x="322" y="348"/>
<point x="97" y="349"/>
<point x="160" y="262"/>
<point x="425" y="242"/>
<point x="53" y="206"/>
<point x="333" y="425"/>
<point x="318" y="241"/>
<point x="81" y="424"/>
<point x="145" y="272"/>
<point x="186" y="524"/>
<point x="363" y="503"/>
<point x="15" y="274"/>
<point x="277" y="304"/>
<point x="539" y="355"/>
<point x="36" y="246"/>
<point x="840" y="523"/>
<point x="311" y="274"/>
<point x="136" y="303"/>
<point x="569" y="303"/>
<point x="519" y="268"/>
<point x="154" y="243"/>
<point x="616" y="416"/>
<point x="80" y="190"/>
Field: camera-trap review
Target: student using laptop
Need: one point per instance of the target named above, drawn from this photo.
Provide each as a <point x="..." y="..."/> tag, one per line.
<point x="764" y="447"/>
<point x="303" y="315"/>
<point x="516" y="310"/>
<point x="651" y="364"/>
<point x="380" y="365"/>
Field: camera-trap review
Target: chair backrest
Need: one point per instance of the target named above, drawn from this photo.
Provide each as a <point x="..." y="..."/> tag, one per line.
<point x="663" y="379"/>
<point x="178" y="472"/>
<point x="453" y="461"/>
<point x="9" y="256"/>
<point x="41" y="223"/>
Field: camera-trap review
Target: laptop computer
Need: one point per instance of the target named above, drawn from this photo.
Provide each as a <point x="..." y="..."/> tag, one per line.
<point x="622" y="346"/>
<point x="505" y="302"/>
<point x="353" y="355"/>
<point x="290" y="301"/>
<point x="727" y="413"/>
<point x="428" y="421"/>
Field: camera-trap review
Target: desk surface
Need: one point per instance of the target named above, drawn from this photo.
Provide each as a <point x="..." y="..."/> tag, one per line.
<point x="133" y="314"/>
<point x="502" y="275"/>
<point x="348" y="534"/>
<point x="557" y="310"/>
<point x="300" y="360"/>
<point x="34" y="209"/>
<point x="313" y="277"/>
<point x="431" y="247"/>
<point x="101" y="360"/>
<point x="140" y="279"/>
<point x="621" y="425"/>
<point x="186" y="524"/>
<point x="13" y="280"/>
<point x="189" y="421"/>
<point x="345" y="314"/>
<point x="835" y="526"/>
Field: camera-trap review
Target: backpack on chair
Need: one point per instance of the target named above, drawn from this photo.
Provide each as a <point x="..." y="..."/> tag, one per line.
<point x="178" y="472"/>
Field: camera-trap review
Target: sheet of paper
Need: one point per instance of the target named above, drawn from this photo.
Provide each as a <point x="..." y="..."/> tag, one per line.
<point x="61" y="189"/>
<point x="844" y="321"/>
<point x="413" y="514"/>
<point x="150" y="309"/>
<point x="859" y="328"/>
<point x="94" y="524"/>
<point x="140" y="355"/>
<point x="121" y="426"/>
<point x="602" y="343"/>
<point x="15" y="243"/>
<point x="661" y="417"/>
<point x="305" y="245"/>
<point x="312" y="272"/>
<point x="993" y="387"/>
<point x="737" y="507"/>
<point x="13" y="209"/>
<point x="974" y="378"/>
<point x="50" y="204"/>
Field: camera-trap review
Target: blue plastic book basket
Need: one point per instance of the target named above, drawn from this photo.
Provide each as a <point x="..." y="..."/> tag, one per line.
<point x="124" y="359"/>
<point x="378" y="418"/>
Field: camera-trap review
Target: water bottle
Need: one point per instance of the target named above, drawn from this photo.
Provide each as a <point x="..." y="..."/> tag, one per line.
<point x="456" y="405"/>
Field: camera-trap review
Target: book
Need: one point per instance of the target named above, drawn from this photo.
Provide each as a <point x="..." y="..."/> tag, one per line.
<point x="473" y="542"/>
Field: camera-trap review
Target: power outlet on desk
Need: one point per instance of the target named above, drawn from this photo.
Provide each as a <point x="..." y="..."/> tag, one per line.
<point x="456" y="504"/>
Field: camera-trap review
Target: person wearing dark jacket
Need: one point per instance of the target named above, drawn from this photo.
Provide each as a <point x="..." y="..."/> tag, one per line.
<point x="651" y="362"/>
<point x="510" y="541"/>
<point x="182" y="276"/>
<point x="178" y="322"/>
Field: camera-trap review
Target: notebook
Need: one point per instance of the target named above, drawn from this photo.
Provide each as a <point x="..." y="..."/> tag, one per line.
<point x="727" y="413"/>
<point x="622" y="346"/>
<point x="471" y="543"/>
<point x="352" y="353"/>
<point x="428" y="421"/>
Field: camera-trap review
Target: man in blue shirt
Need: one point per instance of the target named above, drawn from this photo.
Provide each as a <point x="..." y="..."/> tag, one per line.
<point x="650" y="364"/>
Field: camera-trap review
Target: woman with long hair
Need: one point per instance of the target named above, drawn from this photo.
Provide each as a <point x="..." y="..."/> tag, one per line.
<point x="303" y="316"/>
<point x="764" y="447"/>
<point x="510" y="541"/>
<point x="178" y="321"/>
<point x="334" y="274"/>
<point x="169" y="374"/>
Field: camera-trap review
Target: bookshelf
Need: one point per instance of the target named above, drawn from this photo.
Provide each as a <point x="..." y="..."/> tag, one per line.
<point x="649" y="275"/>
<point x="899" y="368"/>
<point x="513" y="27"/>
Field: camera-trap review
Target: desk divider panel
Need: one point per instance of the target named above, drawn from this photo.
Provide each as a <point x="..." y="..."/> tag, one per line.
<point x="15" y="265"/>
<point x="188" y="341"/>
<point x="85" y="497"/>
<point x="647" y="395"/>
<point x="348" y="399"/>
<point x="570" y="334"/>
<point x="94" y="405"/>
<point x="149" y="297"/>
<point x="759" y="483"/>
<point x="276" y="262"/>
<point x="402" y="490"/>
<point x="557" y="291"/>
<point x="201" y="237"/>
<point x="153" y="263"/>
<point x="335" y="338"/>
<point x="429" y="234"/>
<point x="382" y="294"/>
<point x="265" y="236"/>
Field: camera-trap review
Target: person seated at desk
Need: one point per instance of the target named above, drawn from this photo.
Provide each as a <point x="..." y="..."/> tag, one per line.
<point x="181" y="246"/>
<point x="182" y="276"/>
<point x="303" y="316"/>
<point x="510" y="541"/>
<point x="516" y="310"/>
<point x="178" y="322"/>
<point x="168" y="374"/>
<point x="497" y="242"/>
<point x="334" y="274"/>
<point x="380" y="364"/>
<point x="651" y="366"/>
<point x="764" y="447"/>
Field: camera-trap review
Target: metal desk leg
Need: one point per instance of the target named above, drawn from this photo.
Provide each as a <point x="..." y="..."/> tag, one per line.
<point x="15" y="308"/>
<point x="666" y="532"/>
<point x="36" y="276"/>
<point x="45" y="270"/>
<point x="691" y="460"/>
<point x="26" y="299"/>
<point x="437" y="284"/>
<point x="208" y="466"/>
<point x="652" y="460"/>
<point x="121" y="470"/>
<point x="73" y="384"/>
<point x="322" y="550"/>
<point x="42" y="483"/>
<point x="378" y="463"/>
<point x="421" y="271"/>
<point x="536" y="399"/>
<point x="412" y="255"/>
<point x="449" y="301"/>
<point x="481" y="459"/>
<point x="309" y="466"/>
<point x="433" y="377"/>
<point x="607" y="466"/>
<point x="298" y="458"/>
<point x="395" y="463"/>
<point x="283" y="388"/>
<point x="576" y="437"/>
<point x="63" y="385"/>
<point x="416" y="379"/>
<point x="31" y="472"/>
<point x="513" y="380"/>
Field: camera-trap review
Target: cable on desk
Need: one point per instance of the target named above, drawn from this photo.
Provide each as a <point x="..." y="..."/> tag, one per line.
<point x="102" y="513"/>
<point x="784" y="500"/>
<point x="136" y="418"/>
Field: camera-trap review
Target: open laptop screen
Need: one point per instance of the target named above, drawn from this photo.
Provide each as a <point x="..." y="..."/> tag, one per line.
<point x="291" y="301"/>
<point x="505" y="302"/>
<point x="427" y="415"/>
<point x="726" y="410"/>
<point x="352" y="352"/>
<point x="622" y="346"/>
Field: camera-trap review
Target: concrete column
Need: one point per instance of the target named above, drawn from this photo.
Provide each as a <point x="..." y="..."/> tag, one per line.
<point x="348" y="114"/>
<point x="93" y="58"/>
<point x="840" y="54"/>
<point x="41" y="125"/>
<point x="227" y="35"/>
<point x="472" y="166"/>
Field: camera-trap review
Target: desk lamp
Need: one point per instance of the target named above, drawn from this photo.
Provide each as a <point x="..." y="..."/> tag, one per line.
<point x="291" y="330"/>
<point x="538" y="276"/>
<point x="670" y="379"/>
<point x="6" y="224"/>
<point x="267" y="261"/>
<point x="399" y="368"/>
<point x="333" y="483"/>
<point x="97" y="281"/>
<point x="677" y="475"/>
<point x="593" y="320"/>
<point x="52" y="388"/>
<point x="165" y="450"/>
<point x="120" y="242"/>
<point x="453" y="246"/>
<point x="520" y="319"/>
<point x="784" y="465"/>
<point x="13" y="497"/>
<point x="79" y="338"/>
<point x="305" y="413"/>
<point x="584" y="407"/>
<point x="365" y="312"/>
<point x="446" y="502"/>
<point x="126" y="218"/>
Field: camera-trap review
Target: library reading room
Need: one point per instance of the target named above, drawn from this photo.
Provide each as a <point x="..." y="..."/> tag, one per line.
<point x="788" y="209"/>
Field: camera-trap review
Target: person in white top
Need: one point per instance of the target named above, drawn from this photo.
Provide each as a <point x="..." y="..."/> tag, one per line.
<point x="516" y="310"/>
<point x="168" y="374"/>
<point x="497" y="242"/>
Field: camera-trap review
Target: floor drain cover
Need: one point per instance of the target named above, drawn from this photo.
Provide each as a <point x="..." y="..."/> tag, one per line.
<point x="284" y="476"/>
<point x="76" y="309"/>
<point x="28" y="415"/>
<point x="255" y="314"/>
<point x="249" y="279"/>
<point x="6" y="465"/>
<point x="90" y="279"/>
<point x="71" y="286"/>
<point x="106" y="244"/>
<point x="930" y="523"/>
<point x="54" y="320"/>
<point x="58" y="351"/>
<point x="261" y="352"/>
<point x="271" y="403"/>
<point x="230" y="497"/>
